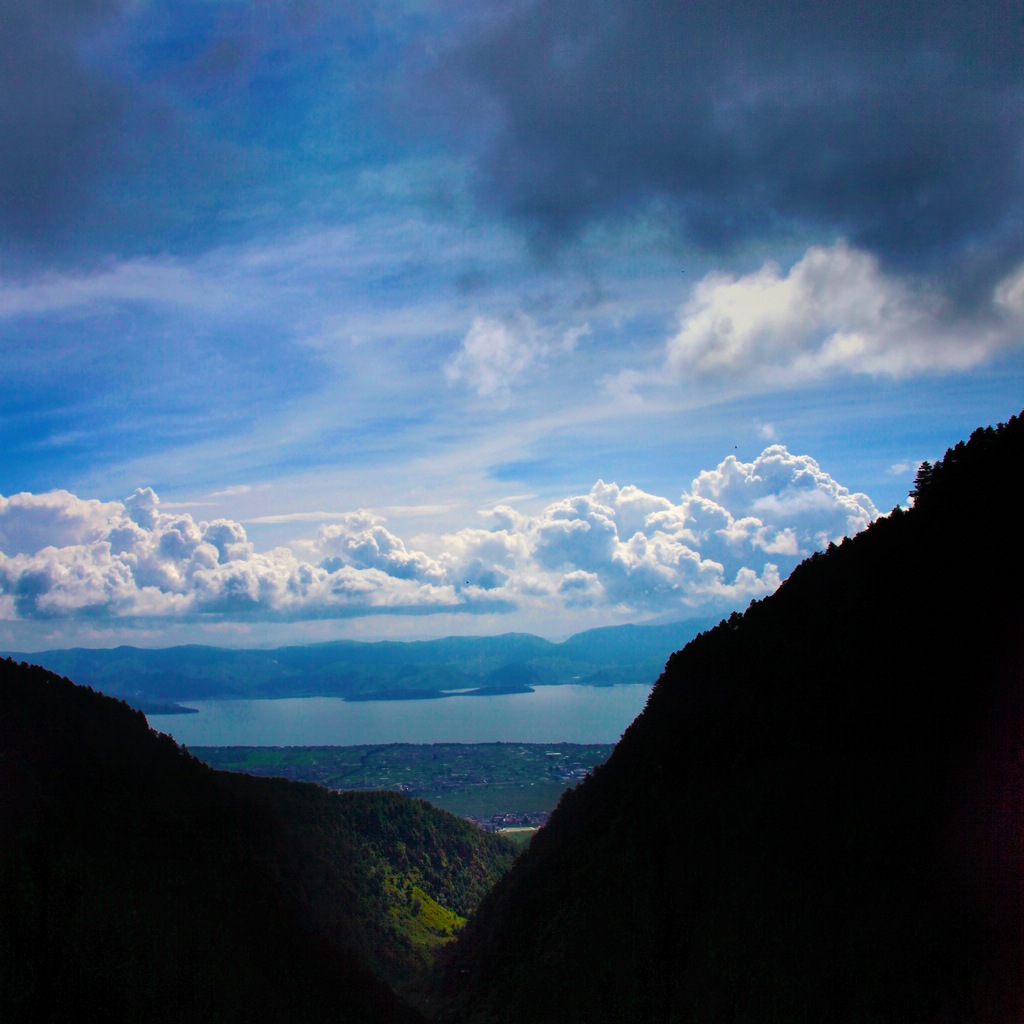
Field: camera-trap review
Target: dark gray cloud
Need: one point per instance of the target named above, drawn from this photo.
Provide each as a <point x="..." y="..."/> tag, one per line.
<point x="136" y="128"/>
<point x="898" y="125"/>
<point x="58" y="116"/>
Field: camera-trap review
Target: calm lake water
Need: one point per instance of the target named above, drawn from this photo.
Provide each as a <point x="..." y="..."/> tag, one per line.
<point x="568" y="714"/>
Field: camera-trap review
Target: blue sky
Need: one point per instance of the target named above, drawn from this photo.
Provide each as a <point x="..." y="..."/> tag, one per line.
<point x="411" y="319"/>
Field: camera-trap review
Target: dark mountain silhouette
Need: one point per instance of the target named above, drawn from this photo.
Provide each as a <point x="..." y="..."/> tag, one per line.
<point x="386" y="670"/>
<point x="819" y="816"/>
<point x="137" y="884"/>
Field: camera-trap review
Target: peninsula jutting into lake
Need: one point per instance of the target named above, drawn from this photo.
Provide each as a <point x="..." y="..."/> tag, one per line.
<point x="481" y="666"/>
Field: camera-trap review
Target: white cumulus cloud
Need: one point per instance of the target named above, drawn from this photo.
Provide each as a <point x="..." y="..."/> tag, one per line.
<point x="834" y="311"/>
<point x="361" y="541"/>
<point x="496" y="355"/>
<point x="64" y="557"/>
<point x="730" y="537"/>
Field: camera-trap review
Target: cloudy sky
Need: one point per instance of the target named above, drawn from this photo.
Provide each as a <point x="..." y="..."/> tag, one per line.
<point x="409" y="318"/>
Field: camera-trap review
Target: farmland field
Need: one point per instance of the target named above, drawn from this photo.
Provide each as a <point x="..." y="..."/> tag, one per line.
<point x="480" y="781"/>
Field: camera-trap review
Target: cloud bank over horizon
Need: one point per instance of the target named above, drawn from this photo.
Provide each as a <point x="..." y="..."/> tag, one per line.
<point x="730" y="538"/>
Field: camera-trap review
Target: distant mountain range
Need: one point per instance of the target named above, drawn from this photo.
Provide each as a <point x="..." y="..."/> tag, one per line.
<point x="156" y="679"/>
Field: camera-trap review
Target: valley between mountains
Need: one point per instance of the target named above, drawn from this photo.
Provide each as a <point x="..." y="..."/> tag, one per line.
<point x="818" y="816"/>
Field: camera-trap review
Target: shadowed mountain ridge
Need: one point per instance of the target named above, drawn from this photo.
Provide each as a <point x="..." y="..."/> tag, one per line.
<point x="819" y="814"/>
<point x="138" y="884"/>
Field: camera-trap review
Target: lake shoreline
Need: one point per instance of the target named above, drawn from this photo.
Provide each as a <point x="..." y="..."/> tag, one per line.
<point x="576" y="713"/>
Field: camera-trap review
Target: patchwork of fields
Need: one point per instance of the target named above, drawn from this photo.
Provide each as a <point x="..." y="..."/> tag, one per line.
<point x="494" y="784"/>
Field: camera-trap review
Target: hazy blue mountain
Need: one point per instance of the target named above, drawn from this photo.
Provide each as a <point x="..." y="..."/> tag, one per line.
<point x="385" y="670"/>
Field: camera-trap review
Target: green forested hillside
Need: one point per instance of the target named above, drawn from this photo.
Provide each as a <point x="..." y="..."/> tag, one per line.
<point x="137" y="884"/>
<point x="819" y="814"/>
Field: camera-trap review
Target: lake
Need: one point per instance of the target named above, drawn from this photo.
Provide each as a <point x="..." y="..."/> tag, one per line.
<point x="551" y="714"/>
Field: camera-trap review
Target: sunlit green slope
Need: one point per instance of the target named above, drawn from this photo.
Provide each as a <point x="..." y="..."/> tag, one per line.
<point x="137" y="884"/>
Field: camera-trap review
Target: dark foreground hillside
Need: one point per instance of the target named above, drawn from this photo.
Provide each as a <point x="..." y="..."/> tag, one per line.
<point x="820" y="814"/>
<point x="137" y="884"/>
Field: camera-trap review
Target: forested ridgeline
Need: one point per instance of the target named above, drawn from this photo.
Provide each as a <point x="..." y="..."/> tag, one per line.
<point x="818" y="816"/>
<point x="137" y="884"/>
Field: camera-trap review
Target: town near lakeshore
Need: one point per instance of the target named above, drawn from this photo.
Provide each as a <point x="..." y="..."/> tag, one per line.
<point x="498" y="786"/>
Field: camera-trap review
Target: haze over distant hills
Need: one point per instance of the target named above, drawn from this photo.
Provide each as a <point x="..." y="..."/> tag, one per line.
<point x="387" y="670"/>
